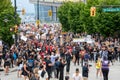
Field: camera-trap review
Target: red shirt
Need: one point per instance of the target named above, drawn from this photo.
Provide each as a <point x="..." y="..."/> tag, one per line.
<point x="82" y="52"/>
<point x="51" y="47"/>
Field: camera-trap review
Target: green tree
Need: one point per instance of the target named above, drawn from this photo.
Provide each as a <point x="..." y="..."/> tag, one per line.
<point x="76" y="17"/>
<point x="63" y="16"/>
<point x="7" y="21"/>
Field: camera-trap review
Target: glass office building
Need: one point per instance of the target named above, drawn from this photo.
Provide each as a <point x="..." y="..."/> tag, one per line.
<point x="43" y="13"/>
<point x="45" y="6"/>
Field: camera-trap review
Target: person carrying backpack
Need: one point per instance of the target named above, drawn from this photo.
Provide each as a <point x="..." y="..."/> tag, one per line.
<point x="43" y="75"/>
<point x="30" y="63"/>
<point x="85" y="71"/>
<point x="57" y="65"/>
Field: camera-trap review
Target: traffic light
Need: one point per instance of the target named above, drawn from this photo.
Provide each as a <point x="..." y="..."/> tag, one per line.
<point x="49" y="12"/>
<point x="23" y="11"/>
<point x="16" y="29"/>
<point x="38" y="22"/>
<point x="92" y="11"/>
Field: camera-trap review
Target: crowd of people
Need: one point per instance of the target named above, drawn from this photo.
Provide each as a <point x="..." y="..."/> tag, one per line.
<point x="45" y="51"/>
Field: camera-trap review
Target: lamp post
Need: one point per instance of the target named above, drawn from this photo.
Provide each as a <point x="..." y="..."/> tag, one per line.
<point x="15" y="15"/>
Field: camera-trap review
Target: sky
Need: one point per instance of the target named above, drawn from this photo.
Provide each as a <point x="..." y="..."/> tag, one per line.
<point x="24" y="4"/>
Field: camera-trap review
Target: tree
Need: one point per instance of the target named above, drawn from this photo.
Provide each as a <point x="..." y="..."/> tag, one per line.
<point x="63" y="16"/>
<point x="76" y="17"/>
<point x="7" y="21"/>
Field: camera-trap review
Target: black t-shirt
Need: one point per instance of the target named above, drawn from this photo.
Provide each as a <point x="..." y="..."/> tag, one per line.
<point x="85" y="71"/>
<point x="68" y="57"/>
<point x="47" y="65"/>
<point x="77" y="53"/>
<point x="19" y="62"/>
<point x="62" y="54"/>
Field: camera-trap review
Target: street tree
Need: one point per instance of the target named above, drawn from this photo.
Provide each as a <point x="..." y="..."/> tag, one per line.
<point x="76" y="17"/>
<point x="7" y="21"/>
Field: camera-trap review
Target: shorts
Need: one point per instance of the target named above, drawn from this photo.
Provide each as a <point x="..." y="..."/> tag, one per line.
<point x="20" y="67"/>
<point x="25" y="73"/>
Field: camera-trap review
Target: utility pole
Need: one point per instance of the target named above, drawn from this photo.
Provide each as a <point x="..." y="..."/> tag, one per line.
<point x="38" y="14"/>
<point x="15" y="16"/>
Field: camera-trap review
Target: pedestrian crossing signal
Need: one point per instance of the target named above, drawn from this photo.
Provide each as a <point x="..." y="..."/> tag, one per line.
<point x="92" y="11"/>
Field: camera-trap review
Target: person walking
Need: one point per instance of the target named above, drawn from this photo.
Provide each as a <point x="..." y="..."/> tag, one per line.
<point x="43" y="75"/>
<point x="82" y="53"/>
<point x="20" y="65"/>
<point x="52" y="58"/>
<point x="110" y="55"/>
<point x="25" y="71"/>
<point x="98" y="67"/>
<point x="61" y="68"/>
<point x="85" y="71"/>
<point x="68" y="59"/>
<point x="77" y="75"/>
<point x="105" y="68"/>
<point x="49" y="66"/>
<point x="77" y="56"/>
<point x="6" y="66"/>
<point x="57" y="67"/>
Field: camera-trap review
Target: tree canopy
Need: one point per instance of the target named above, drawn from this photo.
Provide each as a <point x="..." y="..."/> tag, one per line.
<point x="7" y="21"/>
<point x="76" y="17"/>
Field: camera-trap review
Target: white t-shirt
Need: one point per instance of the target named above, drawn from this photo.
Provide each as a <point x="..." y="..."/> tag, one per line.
<point x="79" y="77"/>
<point x="45" y="76"/>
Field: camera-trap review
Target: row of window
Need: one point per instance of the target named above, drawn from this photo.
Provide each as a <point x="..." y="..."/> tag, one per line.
<point x="43" y="13"/>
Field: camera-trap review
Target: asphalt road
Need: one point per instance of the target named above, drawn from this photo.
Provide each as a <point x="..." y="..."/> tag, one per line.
<point x="114" y="73"/>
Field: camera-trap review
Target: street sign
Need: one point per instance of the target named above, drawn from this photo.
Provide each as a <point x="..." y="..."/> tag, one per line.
<point x="111" y="9"/>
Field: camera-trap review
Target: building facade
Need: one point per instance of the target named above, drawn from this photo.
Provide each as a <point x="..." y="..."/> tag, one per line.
<point x="43" y="6"/>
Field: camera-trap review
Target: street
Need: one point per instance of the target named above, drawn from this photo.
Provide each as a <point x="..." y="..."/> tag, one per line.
<point x="113" y="74"/>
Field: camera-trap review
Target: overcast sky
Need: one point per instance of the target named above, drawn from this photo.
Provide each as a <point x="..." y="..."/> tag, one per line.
<point x="24" y="4"/>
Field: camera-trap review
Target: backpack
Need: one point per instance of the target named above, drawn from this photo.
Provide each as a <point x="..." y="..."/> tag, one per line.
<point x="43" y="73"/>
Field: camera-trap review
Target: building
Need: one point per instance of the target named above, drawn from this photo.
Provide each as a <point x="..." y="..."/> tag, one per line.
<point x="44" y="6"/>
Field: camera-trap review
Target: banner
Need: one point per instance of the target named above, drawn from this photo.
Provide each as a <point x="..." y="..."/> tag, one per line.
<point x="78" y="39"/>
